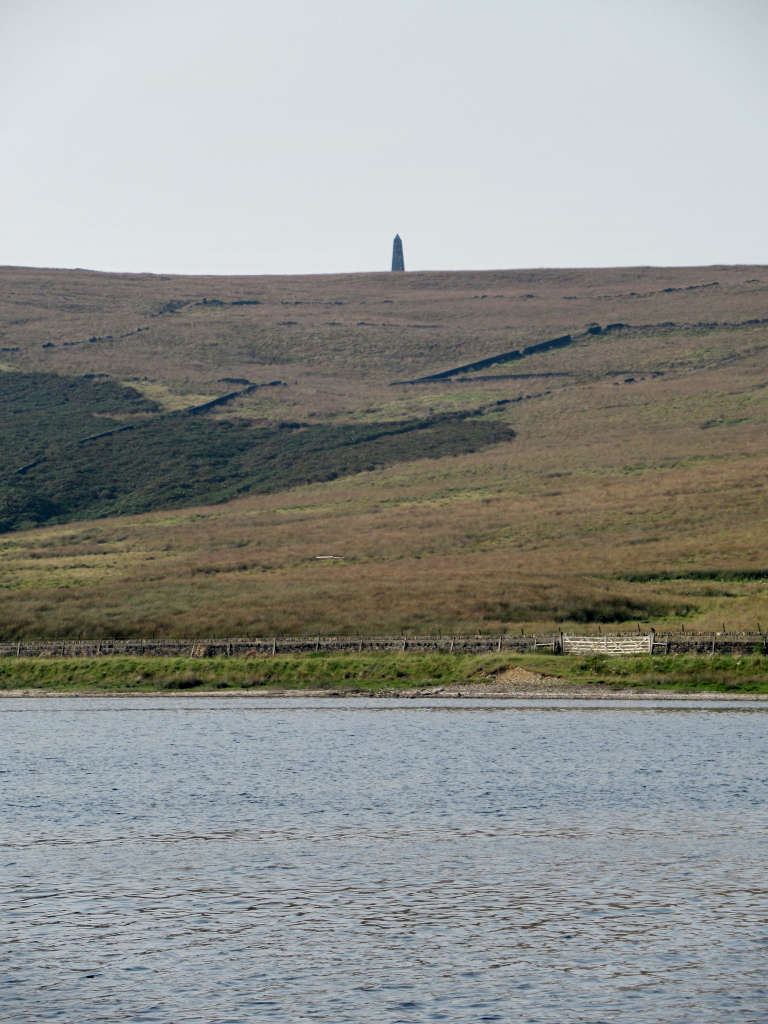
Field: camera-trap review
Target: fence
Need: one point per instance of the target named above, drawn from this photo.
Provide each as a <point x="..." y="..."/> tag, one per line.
<point x="606" y="644"/>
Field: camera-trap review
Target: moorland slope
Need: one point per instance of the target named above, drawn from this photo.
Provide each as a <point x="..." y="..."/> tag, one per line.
<point x="479" y="450"/>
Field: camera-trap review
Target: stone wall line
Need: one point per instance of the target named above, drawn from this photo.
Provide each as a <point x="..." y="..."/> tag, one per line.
<point x="608" y="644"/>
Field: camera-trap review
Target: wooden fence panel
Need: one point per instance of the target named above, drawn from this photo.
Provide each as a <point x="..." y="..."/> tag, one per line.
<point x="607" y="644"/>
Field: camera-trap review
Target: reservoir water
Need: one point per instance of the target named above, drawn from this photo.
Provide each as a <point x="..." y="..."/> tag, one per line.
<point x="244" y="860"/>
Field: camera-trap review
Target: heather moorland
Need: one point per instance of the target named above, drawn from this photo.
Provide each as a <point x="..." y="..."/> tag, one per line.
<point x="478" y="451"/>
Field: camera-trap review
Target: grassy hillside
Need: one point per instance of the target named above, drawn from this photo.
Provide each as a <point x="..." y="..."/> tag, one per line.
<point x="616" y="476"/>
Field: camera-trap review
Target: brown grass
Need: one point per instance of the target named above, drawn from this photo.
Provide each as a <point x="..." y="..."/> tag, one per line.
<point x="649" y="456"/>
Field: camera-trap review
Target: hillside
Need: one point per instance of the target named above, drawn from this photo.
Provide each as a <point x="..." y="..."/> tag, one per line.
<point x="483" y="451"/>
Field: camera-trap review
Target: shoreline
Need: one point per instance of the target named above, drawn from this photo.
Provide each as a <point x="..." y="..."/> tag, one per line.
<point x="576" y="693"/>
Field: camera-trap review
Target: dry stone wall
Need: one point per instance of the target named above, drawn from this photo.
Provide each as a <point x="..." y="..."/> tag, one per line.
<point x="199" y="647"/>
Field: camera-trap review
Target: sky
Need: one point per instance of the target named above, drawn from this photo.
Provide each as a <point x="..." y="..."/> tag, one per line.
<point x="245" y="137"/>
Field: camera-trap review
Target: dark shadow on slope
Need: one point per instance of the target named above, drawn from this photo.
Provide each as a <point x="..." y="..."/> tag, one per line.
<point x="181" y="460"/>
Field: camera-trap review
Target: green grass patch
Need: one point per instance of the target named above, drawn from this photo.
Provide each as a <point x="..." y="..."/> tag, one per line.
<point x="369" y="673"/>
<point x="376" y="673"/>
<point x="685" y="673"/>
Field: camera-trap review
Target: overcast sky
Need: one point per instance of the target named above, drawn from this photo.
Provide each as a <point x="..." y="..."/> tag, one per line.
<point x="297" y="137"/>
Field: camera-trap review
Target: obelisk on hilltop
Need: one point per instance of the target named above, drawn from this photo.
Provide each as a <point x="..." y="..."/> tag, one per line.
<point x="398" y="263"/>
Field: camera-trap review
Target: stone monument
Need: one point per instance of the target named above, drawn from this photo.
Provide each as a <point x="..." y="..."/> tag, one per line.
<point x="398" y="263"/>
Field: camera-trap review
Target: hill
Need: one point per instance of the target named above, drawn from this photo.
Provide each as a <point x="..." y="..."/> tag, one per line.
<point x="483" y="451"/>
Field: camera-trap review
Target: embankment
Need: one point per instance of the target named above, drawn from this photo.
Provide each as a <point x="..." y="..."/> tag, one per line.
<point x="390" y="674"/>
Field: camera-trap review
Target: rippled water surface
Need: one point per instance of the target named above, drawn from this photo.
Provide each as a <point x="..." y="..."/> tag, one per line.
<point x="233" y="860"/>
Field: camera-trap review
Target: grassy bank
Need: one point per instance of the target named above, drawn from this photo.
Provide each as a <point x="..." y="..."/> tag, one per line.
<point x="365" y="673"/>
<point x="378" y="674"/>
<point x="684" y="673"/>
